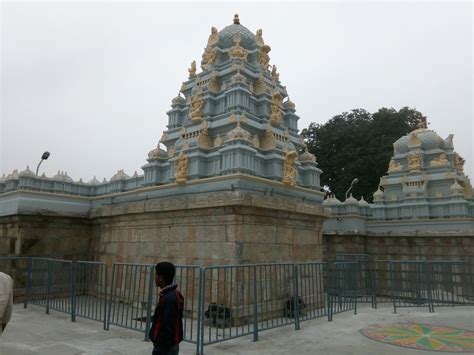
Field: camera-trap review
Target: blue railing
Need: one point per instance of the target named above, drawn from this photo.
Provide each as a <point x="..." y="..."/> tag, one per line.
<point x="230" y="301"/>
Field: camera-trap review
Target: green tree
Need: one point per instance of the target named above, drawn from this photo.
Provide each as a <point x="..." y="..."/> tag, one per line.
<point x="358" y="144"/>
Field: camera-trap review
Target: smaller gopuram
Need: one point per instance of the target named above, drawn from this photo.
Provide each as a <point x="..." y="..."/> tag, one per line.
<point x="230" y="180"/>
<point x="425" y="192"/>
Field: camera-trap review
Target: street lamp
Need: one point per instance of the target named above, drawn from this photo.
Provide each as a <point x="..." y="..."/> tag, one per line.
<point x="355" y="181"/>
<point x="43" y="157"/>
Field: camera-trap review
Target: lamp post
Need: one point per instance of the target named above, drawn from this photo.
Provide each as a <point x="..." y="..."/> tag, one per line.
<point x="43" y="157"/>
<point x="355" y="181"/>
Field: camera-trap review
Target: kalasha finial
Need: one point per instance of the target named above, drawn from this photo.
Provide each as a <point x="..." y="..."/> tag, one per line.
<point x="236" y="19"/>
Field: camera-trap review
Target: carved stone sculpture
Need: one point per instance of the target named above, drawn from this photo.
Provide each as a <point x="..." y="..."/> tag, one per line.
<point x="181" y="169"/>
<point x="237" y="51"/>
<point x="258" y="38"/>
<point x="440" y="160"/>
<point x="214" y="37"/>
<point x="197" y="105"/>
<point x="459" y="163"/>
<point x="414" y="162"/>
<point x="275" y="114"/>
<point x="263" y="57"/>
<point x="289" y="169"/>
<point x="192" y="70"/>
<point x="268" y="141"/>
<point x="213" y="83"/>
<point x="208" y="57"/>
<point x="259" y="86"/>
<point x="275" y="75"/>
<point x="394" y="166"/>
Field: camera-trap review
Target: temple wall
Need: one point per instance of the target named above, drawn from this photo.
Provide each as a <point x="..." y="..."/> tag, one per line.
<point x="456" y="248"/>
<point x="47" y="236"/>
<point x="214" y="235"/>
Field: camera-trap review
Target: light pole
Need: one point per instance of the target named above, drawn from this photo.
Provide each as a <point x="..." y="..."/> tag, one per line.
<point x="355" y="181"/>
<point x="43" y="157"/>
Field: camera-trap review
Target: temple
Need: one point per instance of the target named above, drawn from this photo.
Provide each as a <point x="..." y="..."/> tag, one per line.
<point x="231" y="181"/>
<point x="425" y="191"/>
<point x="229" y="177"/>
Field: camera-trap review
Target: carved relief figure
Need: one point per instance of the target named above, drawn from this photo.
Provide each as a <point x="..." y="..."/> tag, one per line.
<point x="214" y="37"/>
<point x="268" y="141"/>
<point x="197" y="105"/>
<point x="259" y="38"/>
<point x="263" y="57"/>
<point x="414" y="162"/>
<point x="289" y="169"/>
<point x="394" y="166"/>
<point x="208" y="57"/>
<point x="204" y="140"/>
<point x="275" y="75"/>
<point x="192" y="70"/>
<point x="181" y="170"/>
<point x="440" y="160"/>
<point x="259" y="86"/>
<point x="237" y="51"/>
<point x="275" y="115"/>
<point x="459" y="163"/>
<point x="214" y="82"/>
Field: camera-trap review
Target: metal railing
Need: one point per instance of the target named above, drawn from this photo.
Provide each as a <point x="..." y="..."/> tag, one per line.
<point x="130" y="302"/>
<point x="230" y="301"/>
<point x="90" y="290"/>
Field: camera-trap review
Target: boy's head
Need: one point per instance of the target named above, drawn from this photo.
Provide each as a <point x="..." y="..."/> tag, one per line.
<point x="164" y="274"/>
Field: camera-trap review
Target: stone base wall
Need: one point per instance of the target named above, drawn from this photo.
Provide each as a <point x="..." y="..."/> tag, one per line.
<point x="456" y="248"/>
<point x="213" y="235"/>
<point x="47" y="236"/>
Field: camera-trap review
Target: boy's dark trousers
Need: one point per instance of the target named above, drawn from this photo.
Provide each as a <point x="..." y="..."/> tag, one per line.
<point x="174" y="350"/>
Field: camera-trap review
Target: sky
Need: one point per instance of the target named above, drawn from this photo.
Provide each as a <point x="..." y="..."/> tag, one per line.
<point x="91" y="82"/>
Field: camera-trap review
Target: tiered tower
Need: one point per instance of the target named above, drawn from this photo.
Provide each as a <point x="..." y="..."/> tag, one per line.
<point x="425" y="191"/>
<point x="232" y="117"/>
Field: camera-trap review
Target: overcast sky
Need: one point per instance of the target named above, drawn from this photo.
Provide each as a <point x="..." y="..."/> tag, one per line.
<point x="91" y="81"/>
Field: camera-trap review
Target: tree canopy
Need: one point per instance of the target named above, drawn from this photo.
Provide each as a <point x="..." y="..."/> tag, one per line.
<point x="358" y="144"/>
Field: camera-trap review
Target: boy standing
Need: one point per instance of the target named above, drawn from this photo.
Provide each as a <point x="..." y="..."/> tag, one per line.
<point x="167" y="324"/>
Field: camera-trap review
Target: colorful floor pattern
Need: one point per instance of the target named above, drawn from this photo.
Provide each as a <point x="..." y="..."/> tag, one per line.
<point x="422" y="336"/>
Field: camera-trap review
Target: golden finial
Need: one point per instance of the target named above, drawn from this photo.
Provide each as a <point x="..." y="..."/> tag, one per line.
<point x="236" y="19"/>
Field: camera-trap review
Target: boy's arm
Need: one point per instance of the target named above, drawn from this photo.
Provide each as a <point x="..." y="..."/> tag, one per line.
<point x="167" y="330"/>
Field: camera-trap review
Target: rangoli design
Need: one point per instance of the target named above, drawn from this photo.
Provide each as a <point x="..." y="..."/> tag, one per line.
<point x="422" y="336"/>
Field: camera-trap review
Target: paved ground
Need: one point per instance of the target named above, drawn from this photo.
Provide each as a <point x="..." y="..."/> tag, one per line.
<point x="33" y="332"/>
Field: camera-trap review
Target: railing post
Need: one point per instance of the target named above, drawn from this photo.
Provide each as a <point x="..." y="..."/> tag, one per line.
<point x="201" y="315"/>
<point x="329" y="290"/>
<point x="104" y="280"/>
<point x="373" y="271"/>
<point x="392" y="286"/>
<point x="49" y="282"/>
<point x="296" y="297"/>
<point x="356" y="268"/>
<point x="72" y="274"/>
<point x="198" y="342"/>
<point x="150" y="300"/>
<point x="112" y="292"/>
<point x="28" y="282"/>
<point x="255" y="305"/>
<point x="427" y="277"/>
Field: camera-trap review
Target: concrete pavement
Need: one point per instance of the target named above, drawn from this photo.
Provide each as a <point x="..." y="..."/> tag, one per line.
<point x="33" y="332"/>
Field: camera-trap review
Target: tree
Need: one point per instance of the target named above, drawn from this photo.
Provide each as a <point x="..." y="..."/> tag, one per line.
<point x="358" y="144"/>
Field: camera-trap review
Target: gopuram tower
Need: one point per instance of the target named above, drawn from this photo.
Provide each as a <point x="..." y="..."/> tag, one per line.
<point x="230" y="182"/>
<point x="232" y="118"/>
